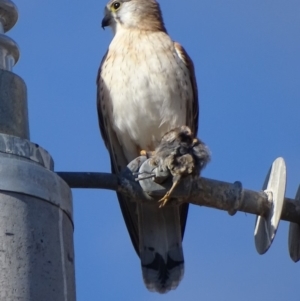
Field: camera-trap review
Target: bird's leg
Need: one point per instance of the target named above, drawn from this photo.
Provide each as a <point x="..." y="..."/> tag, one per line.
<point x="163" y="201"/>
<point x="148" y="154"/>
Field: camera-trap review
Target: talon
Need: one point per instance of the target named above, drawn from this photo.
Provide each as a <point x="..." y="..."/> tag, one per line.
<point x="163" y="201"/>
<point x="167" y="196"/>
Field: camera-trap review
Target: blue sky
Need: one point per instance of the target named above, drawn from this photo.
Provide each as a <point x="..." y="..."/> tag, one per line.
<point x="246" y="55"/>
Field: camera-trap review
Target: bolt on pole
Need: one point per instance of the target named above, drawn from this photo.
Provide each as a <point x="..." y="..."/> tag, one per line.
<point x="36" y="217"/>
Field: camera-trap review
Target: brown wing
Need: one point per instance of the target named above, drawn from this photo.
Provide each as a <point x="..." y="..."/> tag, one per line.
<point x="117" y="158"/>
<point x="192" y="114"/>
<point x="192" y="106"/>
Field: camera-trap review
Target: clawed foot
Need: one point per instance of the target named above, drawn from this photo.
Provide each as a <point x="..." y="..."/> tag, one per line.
<point x="164" y="200"/>
<point x="167" y="196"/>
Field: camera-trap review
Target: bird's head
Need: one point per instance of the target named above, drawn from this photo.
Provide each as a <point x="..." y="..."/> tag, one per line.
<point x="133" y="14"/>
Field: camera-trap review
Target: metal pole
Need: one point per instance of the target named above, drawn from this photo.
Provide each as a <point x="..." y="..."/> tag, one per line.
<point x="220" y="195"/>
<point x="36" y="221"/>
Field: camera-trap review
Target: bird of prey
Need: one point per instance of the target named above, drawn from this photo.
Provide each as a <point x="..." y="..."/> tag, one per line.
<point x="146" y="87"/>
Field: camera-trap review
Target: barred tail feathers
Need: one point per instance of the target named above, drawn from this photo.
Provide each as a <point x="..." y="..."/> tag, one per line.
<point x="160" y="247"/>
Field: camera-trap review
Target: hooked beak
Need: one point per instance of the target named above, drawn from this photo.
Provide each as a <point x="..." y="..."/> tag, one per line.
<point x="106" y="21"/>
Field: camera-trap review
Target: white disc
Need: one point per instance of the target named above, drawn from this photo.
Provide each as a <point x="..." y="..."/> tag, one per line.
<point x="274" y="186"/>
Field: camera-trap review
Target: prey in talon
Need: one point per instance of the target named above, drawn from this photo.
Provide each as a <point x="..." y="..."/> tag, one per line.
<point x="182" y="154"/>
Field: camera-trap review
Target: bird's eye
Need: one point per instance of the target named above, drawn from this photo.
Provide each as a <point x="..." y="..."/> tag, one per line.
<point x="116" y="5"/>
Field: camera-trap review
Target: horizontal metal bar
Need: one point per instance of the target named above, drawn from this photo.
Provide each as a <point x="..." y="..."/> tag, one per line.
<point x="97" y="180"/>
<point x="204" y="192"/>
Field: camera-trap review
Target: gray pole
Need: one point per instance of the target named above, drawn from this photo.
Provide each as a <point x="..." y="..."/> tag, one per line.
<point x="36" y="221"/>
